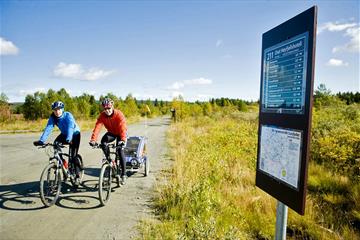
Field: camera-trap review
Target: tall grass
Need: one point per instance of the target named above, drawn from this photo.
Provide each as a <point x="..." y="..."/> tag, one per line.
<point x="19" y="125"/>
<point x="210" y="191"/>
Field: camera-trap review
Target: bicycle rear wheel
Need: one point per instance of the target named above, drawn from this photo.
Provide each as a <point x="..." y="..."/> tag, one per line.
<point x="50" y="185"/>
<point x="146" y="167"/>
<point x="105" y="183"/>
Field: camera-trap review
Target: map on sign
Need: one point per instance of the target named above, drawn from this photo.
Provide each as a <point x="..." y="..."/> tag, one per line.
<point x="284" y="76"/>
<point x="280" y="153"/>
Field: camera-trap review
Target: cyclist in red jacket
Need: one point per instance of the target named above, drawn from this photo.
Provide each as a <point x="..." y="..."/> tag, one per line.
<point x="115" y="124"/>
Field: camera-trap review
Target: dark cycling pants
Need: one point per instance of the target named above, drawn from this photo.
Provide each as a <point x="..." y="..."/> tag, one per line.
<point x="74" y="147"/>
<point x="108" y="138"/>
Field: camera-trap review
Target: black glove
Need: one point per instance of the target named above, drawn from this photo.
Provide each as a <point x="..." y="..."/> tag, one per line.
<point x="121" y="143"/>
<point x="38" y="143"/>
<point x="92" y="144"/>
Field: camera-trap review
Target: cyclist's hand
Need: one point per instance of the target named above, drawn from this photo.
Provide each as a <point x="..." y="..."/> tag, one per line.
<point x="68" y="142"/>
<point x="38" y="143"/>
<point x="122" y="143"/>
<point x="59" y="144"/>
<point x="92" y="143"/>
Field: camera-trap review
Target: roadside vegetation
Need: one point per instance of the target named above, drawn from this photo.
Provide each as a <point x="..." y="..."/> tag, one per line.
<point x="32" y="115"/>
<point x="209" y="192"/>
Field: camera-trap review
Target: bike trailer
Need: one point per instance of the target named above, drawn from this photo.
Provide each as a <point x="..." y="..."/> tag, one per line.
<point x="135" y="152"/>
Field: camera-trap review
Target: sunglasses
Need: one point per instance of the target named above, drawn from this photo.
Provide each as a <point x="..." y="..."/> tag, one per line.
<point x="107" y="108"/>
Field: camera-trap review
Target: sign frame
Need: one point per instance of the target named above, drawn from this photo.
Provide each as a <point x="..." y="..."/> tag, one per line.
<point x="303" y="23"/>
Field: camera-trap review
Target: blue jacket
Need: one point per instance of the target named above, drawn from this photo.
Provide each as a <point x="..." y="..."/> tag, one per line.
<point x="66" y="123"/>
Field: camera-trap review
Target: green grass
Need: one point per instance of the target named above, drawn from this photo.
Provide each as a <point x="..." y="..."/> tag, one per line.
<point x="210" y="193"/>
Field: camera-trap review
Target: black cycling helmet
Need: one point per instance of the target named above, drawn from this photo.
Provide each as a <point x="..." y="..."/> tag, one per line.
<point x="107" y="103"/>
<point x="57" y="104"/>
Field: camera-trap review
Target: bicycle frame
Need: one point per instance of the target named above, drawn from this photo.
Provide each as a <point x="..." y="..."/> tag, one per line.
<point x="57" y="157"/>
<point x="113" y="161"/>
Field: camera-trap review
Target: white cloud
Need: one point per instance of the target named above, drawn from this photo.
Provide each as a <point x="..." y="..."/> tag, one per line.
<point x="335" y="26"/>
<point x="31" y="91"/>
<point x="76" y="71"/>
<point x="351" y="31"/>
<point x="354" y="44"/>
<point x="196" y="81"/>
<point x="337" y="63"/>
<point x="219" y="43"/>
<point x="7" y="47"/>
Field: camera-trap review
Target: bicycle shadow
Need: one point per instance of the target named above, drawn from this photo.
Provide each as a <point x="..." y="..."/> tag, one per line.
<point x="20" y="197"/>
<point x="26" y="196"/>
<point x="76" y="199"/>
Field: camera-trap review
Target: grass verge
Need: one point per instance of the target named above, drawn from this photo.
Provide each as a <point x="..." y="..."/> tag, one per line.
<point x="210" y="192"/>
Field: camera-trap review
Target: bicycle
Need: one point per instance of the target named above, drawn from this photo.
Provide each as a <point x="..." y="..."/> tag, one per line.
<point x="110" y="169"/>
<point x="50" y="180"/>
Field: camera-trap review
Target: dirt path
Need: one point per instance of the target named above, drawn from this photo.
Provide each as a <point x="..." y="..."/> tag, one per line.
<point x="78" y="214"/>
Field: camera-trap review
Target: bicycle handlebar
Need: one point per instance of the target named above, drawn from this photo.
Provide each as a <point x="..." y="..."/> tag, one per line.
<point x="60" y="145"/>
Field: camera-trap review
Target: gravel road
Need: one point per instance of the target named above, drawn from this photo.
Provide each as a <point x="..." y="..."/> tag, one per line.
<point x="78" y="214"/>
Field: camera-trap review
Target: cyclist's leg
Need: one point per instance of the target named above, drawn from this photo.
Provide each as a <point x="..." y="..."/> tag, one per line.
<point x="107" y="138"/>
<point x="60" y="139"/>
<point x="122" y="159"/>
<point x="73" y="151"/>
<point x="75" y="144"/>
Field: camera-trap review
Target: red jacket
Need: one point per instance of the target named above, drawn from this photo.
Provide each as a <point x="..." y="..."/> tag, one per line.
<point x="115" y="124"/>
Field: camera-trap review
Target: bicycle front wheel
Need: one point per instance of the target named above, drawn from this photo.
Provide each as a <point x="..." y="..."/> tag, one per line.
<point x="105" y="183"/>
<point x="50" y="185"/>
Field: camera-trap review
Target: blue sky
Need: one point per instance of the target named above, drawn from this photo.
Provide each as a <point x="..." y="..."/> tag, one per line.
<point x="160" y="49"/>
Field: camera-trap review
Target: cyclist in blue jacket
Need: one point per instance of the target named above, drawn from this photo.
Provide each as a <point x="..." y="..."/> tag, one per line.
<point x="70" y="131"/>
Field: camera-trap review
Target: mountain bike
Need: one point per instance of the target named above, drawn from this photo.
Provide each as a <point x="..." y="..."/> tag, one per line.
<point x="50" y="180"/>
<point x="110" y="169"/>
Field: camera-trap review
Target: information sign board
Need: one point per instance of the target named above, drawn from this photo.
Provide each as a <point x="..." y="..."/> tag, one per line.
<point x="284" y="76"/>
<point x="280" y="154"/>
<point x="287" y="76"/>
